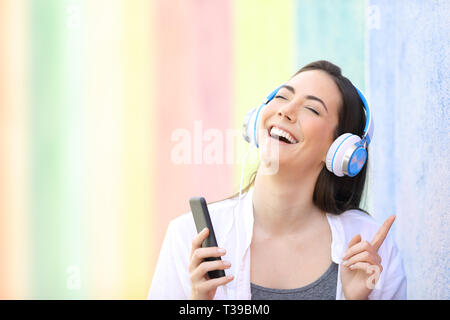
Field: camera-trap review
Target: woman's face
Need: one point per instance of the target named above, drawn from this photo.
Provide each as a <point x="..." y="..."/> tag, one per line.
<point x="307" y="107"/>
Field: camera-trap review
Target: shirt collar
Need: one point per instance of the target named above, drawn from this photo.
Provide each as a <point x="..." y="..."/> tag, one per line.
<point x="245" y="218"/>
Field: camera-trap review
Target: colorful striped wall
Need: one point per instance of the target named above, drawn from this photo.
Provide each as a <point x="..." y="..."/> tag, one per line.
<point x="93" y="95"/>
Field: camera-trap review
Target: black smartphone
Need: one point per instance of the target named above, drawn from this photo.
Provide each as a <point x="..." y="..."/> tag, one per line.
<point x="202" y="219"/>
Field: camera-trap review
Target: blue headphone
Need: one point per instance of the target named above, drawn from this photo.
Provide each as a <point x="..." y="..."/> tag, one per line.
<point x="346" y="155"/>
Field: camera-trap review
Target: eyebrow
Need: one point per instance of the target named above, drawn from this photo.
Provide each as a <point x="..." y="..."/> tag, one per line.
<point x="310" y="97"/>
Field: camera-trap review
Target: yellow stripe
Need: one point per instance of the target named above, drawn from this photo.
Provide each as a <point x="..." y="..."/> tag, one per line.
<point x="264" y="44"/>
<point x="103" y="147"/>
<point x="137" y="214"/>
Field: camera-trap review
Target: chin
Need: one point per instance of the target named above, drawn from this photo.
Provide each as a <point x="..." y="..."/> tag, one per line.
<point x="273" y="165"/>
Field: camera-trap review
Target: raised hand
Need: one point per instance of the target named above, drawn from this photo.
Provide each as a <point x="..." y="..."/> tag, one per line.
<point x="361" y="264"/>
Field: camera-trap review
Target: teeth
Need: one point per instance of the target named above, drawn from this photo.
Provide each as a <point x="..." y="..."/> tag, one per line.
<point x="281" y="133"/>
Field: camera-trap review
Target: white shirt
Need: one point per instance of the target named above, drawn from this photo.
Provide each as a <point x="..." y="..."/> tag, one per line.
<point x="233" y="226"/>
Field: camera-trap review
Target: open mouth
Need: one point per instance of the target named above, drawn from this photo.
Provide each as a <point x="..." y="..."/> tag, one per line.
<point x="282" y="135"/>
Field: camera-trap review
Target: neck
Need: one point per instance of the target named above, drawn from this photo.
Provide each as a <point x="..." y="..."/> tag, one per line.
<point x="282" y="203"/>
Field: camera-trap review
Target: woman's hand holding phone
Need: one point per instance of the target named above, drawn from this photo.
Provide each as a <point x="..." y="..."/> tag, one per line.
<point x="202" y="286"/>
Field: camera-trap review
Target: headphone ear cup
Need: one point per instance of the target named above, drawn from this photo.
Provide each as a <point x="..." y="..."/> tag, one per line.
<point x="356" y="161"/>
<point x="251" y="125"/>
<point x="246" y="126"/>
<point x="337" y="151"/>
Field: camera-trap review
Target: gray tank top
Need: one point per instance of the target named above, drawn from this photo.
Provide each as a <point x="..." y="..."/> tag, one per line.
<point x="323" y="288"/>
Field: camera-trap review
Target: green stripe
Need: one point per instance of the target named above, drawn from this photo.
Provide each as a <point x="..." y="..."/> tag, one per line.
<point x="73" y="206"/>
<point x="47" y="142"/>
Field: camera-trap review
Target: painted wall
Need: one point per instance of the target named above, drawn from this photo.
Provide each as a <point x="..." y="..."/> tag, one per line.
<point x="96" y="94"/>
<point x="408" y="83"/>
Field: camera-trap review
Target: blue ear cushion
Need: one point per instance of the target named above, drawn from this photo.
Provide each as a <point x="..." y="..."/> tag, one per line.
<point x="357" y="161"/>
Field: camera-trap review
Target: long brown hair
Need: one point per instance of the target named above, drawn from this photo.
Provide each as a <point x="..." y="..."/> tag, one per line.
<point x="335" y="194"/>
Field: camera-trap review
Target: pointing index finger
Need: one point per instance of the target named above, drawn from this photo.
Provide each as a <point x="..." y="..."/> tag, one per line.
<point x="381" y="234"/>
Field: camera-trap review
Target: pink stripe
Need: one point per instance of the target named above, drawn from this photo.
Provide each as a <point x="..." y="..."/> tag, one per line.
<point x="193" y="83"/>
<point x="212" y="77"/>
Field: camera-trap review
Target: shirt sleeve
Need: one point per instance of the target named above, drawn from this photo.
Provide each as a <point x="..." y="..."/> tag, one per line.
<point x="394" y="282"/>
<point x="169" y="279"/>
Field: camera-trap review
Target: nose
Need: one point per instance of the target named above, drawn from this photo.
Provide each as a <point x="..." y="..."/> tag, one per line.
<point x="289" y="111"/>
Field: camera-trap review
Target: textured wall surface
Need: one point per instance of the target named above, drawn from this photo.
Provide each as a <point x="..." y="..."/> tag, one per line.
<point x="408" y="82"/>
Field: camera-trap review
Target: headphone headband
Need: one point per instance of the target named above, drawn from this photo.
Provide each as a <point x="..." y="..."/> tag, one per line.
<point x="368" y="128"/>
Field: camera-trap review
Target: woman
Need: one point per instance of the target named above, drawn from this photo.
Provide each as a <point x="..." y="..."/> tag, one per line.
<point x="298" y="233"/>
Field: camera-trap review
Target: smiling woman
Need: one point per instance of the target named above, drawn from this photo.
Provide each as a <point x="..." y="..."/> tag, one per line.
<point x="299" y="231"/>
<point x="331" y="193"/>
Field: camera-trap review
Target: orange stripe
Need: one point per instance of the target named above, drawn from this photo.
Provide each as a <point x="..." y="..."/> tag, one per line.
<point x="14" y="231"/>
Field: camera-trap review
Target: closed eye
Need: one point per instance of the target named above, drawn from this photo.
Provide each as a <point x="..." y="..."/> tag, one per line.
<point x="313" y="110"/>
<point x="306" y="107"/>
